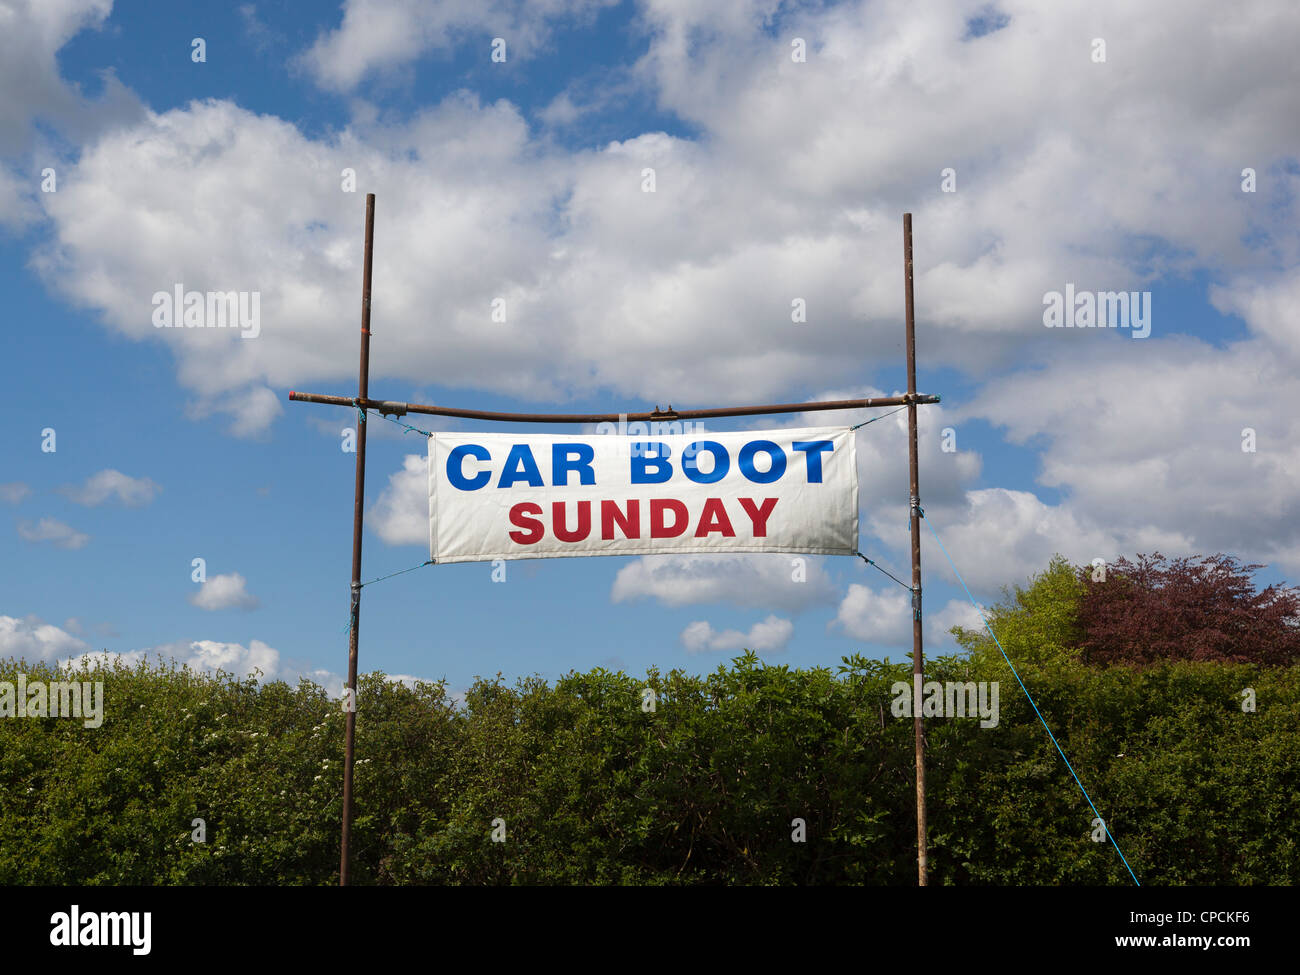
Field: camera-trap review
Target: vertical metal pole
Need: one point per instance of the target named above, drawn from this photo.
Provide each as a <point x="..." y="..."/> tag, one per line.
<point x="358" y="503"/>
<point x="918" y="679"/>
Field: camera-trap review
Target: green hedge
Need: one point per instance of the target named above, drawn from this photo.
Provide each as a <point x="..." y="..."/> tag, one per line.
<point x="594" y="789"/>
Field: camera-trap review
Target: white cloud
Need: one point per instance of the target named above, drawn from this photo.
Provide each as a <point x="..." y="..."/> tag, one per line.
<point x="134" y="492"/>
<point x="410" y="680"/>
<point x="401" y="515"/>
<point x="765" y="580"/>
<point x="379" y="35"/>
<point x="224" y="592"/>
<point x="957" y="612"/>
<point x="594" y="271"/>
<point x="211" y="656"/>
<point x="981" y="107"/>
<point x="17" y="201"/>
<point x="884" y="618"/>
<point x="560" y="111"/>
<point x="772" y="201"/>
<point x="207" y="656"/>
<point x="31" y="34"/>
<point x="52" y="530"/>
<point x="255" y="30"/>
<point x="33" y="94"/>
<point x="1001" y="537"/>
<point x="1266" y="304"/>
<point x="33" y="639"/>
<point x="14" y="492"/>
<point x="252" y="409"/>
<point x="770" y="635"/>
<point x="585" y="97"/>
<point x="1149" y="446"/>
<point x="332" y="683"/>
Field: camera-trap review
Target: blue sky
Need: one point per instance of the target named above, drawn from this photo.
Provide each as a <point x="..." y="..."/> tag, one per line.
<point x="776" y="178"/>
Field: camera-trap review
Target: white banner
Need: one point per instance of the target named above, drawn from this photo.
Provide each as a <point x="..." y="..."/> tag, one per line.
<point x="530" y="496"/>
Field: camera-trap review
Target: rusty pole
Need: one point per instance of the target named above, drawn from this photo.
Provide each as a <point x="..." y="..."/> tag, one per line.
<point x="358" y="504"/>
<point x="394" y="408"/>
<point x="914" y="503"/>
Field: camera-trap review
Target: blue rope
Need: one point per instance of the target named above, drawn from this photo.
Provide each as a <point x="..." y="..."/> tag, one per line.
<point x="409" y="428"/>
<point x="1029" y="696"/>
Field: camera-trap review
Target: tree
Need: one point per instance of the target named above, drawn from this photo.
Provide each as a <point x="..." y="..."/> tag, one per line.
<point x="1037" y="624"/>
<point x="1204" y="608"/>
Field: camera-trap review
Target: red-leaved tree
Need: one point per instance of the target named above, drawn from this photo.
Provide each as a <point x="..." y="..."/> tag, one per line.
<point x="1187" y="609"/>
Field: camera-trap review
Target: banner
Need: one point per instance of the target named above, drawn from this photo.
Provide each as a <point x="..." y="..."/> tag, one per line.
<point x="530" y="496"/>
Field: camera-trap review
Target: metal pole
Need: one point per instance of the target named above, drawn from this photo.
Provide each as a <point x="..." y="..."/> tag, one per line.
<point x="358" y="504"/>
<point x="394" y="408"/>
<point x="915" y="504"/>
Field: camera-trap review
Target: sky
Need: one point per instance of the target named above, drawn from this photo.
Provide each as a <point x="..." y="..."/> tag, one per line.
<point x="1065" y="147"/>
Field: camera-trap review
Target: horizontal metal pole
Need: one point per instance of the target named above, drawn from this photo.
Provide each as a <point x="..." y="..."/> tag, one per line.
<point x="393" y="408"/>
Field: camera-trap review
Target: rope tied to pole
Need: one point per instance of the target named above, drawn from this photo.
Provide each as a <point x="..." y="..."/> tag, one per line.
<point x="408" y="427"/>
<point x="397" y="573"/>
<point x="875" y="418"/>
<point x="358" y="586"/>
<point x="884" y="570"/>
